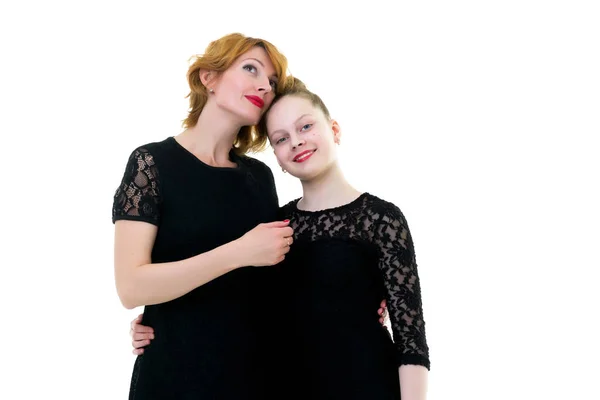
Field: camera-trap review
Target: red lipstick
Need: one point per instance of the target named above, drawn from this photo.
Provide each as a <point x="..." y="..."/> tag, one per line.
<point x="257" y="101"/>
<point x="305" y="155"/>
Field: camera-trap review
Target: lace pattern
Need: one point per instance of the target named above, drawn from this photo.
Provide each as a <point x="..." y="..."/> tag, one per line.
<point x="138" y="195"/>
<point x="381" y="224"/>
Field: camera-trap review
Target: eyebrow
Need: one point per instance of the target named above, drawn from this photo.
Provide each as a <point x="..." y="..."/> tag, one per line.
<point x="257" y="60"/>
<point x="274" y="76"/>
<point x="295" y="122"/>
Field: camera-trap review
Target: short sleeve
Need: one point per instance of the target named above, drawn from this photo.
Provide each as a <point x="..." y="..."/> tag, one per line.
<point x="138" y="196"/>
<point x="398" y="264"/>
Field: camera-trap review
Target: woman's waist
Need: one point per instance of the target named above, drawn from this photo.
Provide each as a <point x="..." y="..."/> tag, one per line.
<point x="202" y="324"/>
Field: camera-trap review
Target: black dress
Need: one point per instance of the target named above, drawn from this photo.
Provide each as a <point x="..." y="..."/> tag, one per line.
<point x="343" y="262"/>
<point x="208" y="342"/>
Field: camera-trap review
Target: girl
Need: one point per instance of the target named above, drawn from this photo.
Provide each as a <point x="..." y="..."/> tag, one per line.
<point x="350" y="250"/>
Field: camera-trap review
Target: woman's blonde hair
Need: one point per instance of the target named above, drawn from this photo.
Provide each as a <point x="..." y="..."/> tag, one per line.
<point x="220" y="55"/>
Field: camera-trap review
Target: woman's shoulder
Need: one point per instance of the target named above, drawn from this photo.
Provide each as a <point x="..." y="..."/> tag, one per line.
<point x="253" y="163"/>
<point x="148" y="151"/>
<point x="167" y="144"/>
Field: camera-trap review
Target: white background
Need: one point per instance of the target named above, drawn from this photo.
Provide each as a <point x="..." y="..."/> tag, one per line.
<point x="479" y="119"/>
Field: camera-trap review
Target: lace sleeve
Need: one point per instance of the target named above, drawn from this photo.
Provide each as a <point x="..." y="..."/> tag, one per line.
<point x="398" y="265"/>
<point x="137" y="197"/>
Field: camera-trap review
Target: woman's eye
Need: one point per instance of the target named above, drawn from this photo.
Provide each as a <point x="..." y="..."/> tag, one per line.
<point x="280" y="140"/>
<point x="273" y="84"/>
<point x="306" y="127"/>
<point x="250" y="68"/>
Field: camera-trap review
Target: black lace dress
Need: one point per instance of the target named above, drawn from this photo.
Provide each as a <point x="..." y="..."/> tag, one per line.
<point x="343" y="262"/>
<point x="210" y="342"/>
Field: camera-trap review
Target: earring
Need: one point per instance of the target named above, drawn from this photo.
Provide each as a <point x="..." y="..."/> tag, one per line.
<point x="284" y="171"/>
<point x="211" y="90"/>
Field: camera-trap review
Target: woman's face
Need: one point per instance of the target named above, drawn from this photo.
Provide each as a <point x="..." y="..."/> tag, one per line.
<point x="303" y="138"/>
<point x="246" y="88"/>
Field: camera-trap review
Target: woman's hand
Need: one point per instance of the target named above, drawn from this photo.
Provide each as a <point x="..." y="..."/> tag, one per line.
<point x="266" y="244"/>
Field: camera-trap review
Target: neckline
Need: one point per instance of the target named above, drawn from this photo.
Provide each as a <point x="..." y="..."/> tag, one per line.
<point x="336" y="208"/>
<point x="232" y="157"/>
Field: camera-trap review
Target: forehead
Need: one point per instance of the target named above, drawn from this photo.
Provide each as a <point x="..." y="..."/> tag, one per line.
<point x="258" y="54"/>
<point x="287" y="110"/>
<point x="294" y="103"/>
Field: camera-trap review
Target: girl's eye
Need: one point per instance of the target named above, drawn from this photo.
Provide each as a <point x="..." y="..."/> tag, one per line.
<point x="273" y="84"/>
<point x="306" y="127"/>
<point x="250" y="68"/>
<point x="280" y="140"/>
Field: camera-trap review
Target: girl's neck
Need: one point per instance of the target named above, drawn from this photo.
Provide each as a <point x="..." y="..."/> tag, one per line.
<point x="328" y="190"/>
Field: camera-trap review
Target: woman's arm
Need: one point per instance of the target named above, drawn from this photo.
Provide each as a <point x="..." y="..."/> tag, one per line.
<point x="140" y="282"/>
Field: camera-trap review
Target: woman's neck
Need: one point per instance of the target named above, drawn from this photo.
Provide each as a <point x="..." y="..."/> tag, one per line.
<point x="212" y="138"/>
<point x="328" y="190"/>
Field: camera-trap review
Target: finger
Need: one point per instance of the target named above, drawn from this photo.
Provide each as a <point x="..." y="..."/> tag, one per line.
<point x="139" y="328"/>
<point x="383" y="304"/>
<point x="380" y="311"/>
<point x="143" y="336"/>
<point x="277" y="224"/>
<point x="284" y="231"/>
<point x="137" y="352"/>
<point x="140" y="343"/>
<point x="136" y="321"/>
<point x="381" y="321"/>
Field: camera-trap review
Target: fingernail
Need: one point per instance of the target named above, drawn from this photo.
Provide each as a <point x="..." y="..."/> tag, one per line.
<point x="286" y="220"/>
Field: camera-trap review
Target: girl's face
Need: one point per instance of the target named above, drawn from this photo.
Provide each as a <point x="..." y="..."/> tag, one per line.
<point x="303" y="138"/>
<point x="246" y="88"/>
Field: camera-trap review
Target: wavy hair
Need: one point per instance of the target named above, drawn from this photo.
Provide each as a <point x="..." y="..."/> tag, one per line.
<point x="218" y="56"/>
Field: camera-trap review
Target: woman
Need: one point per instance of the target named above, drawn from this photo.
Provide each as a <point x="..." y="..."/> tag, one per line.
<point x="351" y="248"/>
<point x="193" y="216"/>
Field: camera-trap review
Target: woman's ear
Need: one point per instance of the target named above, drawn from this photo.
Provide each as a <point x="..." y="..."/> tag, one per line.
<point x="207" y="77"/>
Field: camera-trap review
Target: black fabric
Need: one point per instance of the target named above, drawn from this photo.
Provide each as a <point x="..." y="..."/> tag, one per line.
<point x="209" y="343"/>
<point x="304" y="329"/>
<point x="343" y="262"/>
